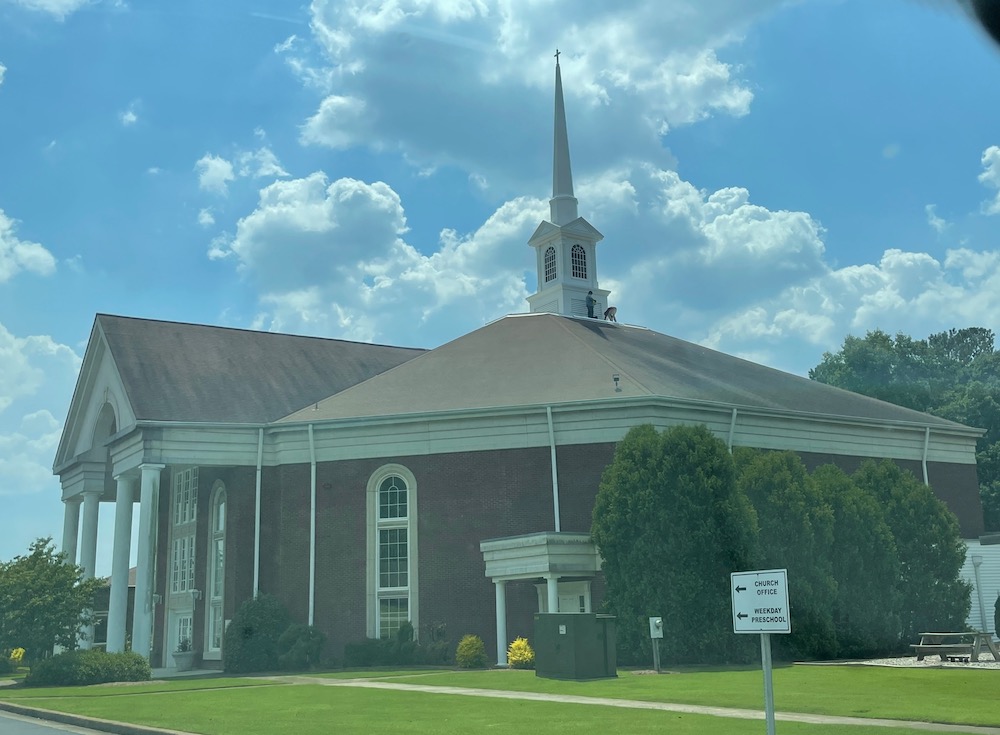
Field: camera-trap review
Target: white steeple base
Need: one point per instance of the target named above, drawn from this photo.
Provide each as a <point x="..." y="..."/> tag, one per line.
<point x="569" y="300"/>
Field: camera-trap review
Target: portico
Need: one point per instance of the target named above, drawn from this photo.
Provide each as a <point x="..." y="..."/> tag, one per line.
<point x="550" y="556"/>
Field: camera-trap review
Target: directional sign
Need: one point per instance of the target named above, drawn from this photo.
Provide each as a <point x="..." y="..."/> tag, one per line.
<point x="760" y="602"/>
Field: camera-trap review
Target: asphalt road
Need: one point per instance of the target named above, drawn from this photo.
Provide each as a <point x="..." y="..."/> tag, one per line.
<point x="11" y="724"/>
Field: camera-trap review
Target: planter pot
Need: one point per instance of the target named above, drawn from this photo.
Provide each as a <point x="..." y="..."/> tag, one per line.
<point x="183" y="660"/>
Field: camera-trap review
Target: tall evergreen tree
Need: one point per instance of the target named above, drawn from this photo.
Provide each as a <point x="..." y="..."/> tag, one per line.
<point x="930" y="548"/>
<point x="671" y="525"/>
<point x="796" y="533"/>
<point x="865" y="568"/>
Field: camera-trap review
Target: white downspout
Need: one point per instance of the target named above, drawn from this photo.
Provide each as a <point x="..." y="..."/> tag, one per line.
<point x="732" y="431"/>
<point x="923" y="461"/>
<point x="256" y="519"/>
<point x="312" y="526"/>
<point x="555" y="473"/>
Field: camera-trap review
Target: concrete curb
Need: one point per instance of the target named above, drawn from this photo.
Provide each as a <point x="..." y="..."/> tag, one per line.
<point x="93" y="723"/>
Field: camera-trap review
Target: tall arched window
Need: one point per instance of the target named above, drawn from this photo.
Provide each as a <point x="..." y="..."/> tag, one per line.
<point x="550" y="264"/>
<point x="578" y="257"/>
<point x="392" y="551"/>
<point x="216" y="576"/>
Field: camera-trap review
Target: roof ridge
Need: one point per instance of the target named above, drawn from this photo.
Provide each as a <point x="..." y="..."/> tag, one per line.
<point x="259" y="332"/>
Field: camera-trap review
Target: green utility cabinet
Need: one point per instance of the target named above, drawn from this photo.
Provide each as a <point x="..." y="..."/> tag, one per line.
<point x="575" y="646"/>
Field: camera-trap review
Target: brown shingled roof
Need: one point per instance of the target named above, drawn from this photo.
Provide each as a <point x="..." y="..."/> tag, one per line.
<point x="190" y="372"/>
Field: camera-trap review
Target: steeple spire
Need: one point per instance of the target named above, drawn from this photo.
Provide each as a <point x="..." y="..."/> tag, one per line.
<point x="562" y="205"/>
<point x="565" y="244"/>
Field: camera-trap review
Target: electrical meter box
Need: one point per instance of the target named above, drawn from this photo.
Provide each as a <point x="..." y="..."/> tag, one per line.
<point x="656" y="627"/>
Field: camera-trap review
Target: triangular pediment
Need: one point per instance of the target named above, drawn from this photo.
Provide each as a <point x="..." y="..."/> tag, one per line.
<point x="99" y="394"/>
<point x="579" y="229"/>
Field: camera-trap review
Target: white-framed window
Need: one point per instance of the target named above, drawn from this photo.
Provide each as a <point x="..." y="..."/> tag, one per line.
<point x="578" y="258"/>
<point x="216" y="572"/>
<point x="184" y="502"/>
<point x="182" y="564"/>
<point x="550" y="264"/>
<point x="392" y="550"/>
<point x="185" y="496"/>
<point x="185" y="627"/>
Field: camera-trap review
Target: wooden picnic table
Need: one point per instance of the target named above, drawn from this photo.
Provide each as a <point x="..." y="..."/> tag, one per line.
<point x="966" y="645"/>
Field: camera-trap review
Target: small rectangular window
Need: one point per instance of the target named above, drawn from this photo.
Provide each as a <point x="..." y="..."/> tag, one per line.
<point x="392" y="613"/>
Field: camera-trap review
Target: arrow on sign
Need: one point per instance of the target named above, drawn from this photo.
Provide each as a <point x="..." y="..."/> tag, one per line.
<point x="740" y="589"/>
<point x="742" y="615"/>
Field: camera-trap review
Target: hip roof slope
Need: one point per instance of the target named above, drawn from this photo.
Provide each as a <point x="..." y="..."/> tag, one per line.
<point x="545" y="359"/>
<point x="174" y="371"/>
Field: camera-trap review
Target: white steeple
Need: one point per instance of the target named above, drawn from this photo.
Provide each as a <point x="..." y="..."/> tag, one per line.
<point x="566" y="244"/>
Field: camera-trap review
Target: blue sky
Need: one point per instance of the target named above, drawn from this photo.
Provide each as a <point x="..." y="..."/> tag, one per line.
<point x="769" y="176"/>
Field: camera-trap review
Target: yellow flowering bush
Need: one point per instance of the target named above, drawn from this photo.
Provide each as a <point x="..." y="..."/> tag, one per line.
<point x="471" y="653"/>
<point x="520" y="654"/>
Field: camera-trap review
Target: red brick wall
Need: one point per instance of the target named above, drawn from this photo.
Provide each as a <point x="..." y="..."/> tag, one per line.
<point x="463" y="499"/>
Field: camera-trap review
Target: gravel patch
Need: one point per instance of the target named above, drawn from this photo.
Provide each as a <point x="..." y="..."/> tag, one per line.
<point x="932" y="662"/>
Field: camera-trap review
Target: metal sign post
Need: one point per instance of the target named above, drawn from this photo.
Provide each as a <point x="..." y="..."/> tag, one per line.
<point x="760" y="605"/>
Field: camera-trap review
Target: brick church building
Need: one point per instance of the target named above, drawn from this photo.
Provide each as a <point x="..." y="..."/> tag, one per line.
<point x="368" y="485"/>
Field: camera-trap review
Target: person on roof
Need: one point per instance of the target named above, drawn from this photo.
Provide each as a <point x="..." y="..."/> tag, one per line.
<point x="591" y="301"/>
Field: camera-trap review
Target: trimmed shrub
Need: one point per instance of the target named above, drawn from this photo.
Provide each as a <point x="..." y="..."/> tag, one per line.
<point x="400" y="650"/>
<point x="92" y="666"/>
<point x="251" y="642"/>
<point x="520" y="655"/>
<point x="471" y="653"/>
<point x="300" y="647"/>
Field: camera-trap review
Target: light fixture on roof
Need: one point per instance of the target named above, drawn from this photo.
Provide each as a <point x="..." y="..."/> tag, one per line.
<point x="616" y="377"/>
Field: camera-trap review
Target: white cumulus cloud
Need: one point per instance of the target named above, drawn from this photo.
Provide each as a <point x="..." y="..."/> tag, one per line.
<point x="59" y="9"/>
<point x="639" y="68"/>
<point x="214" y="174"/>
<point x="332" y="258"/>
<point x="129" y="117"/>
<point x="18" y="255"/>
<point x="990" y="177"/>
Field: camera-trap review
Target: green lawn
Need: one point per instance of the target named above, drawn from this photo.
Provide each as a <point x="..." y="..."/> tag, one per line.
<point x="937" y="695"/>
<point x="320" y="710"/>
<point x="246" y="706"/>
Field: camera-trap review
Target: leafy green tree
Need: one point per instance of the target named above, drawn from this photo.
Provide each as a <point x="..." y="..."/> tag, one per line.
<point x="865" y="568"/>
<point x="671" y="525"/>
<point x="44" y="601"/>
<point x="796" y="533"/>
<point x="930" y="549"/>
<point x="953" y="374"/>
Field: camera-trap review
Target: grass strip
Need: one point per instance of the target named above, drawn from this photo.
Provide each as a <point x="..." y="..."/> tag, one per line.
<point x="955" y="696"/>
<point x="128" y="689"/>
<point x="320" y="710"/>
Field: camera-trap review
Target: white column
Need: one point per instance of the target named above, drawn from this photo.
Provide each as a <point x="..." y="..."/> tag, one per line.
<point x="118" y="603"/>
<point x="71" y="528"/>
<point x="142" y="619"/>
<point x="88" y="552"/>
<point x="552" y="587"/>
<point x="501" y="586"/>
